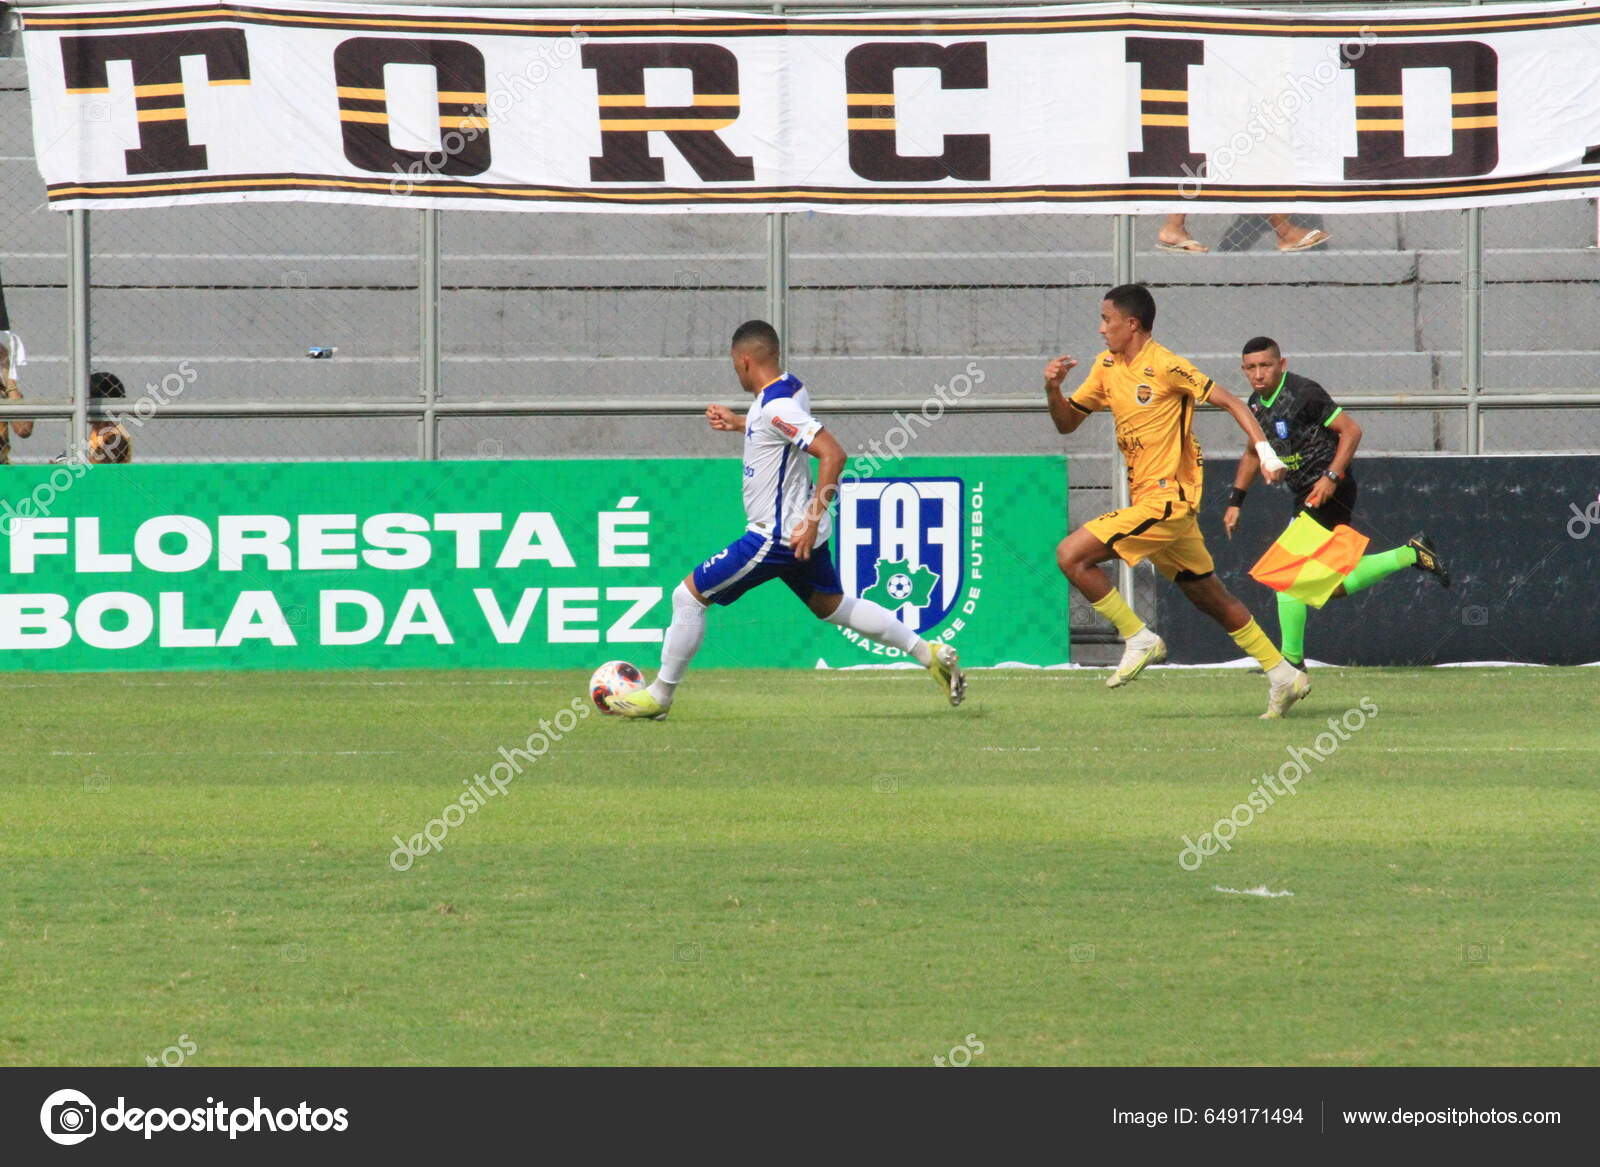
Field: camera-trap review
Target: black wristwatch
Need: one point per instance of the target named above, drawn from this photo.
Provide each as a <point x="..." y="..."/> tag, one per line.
<point x="1330" y="475"/>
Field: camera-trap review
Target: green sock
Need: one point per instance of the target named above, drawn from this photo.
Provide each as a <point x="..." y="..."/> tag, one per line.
<point x="1372" y="568"/>
<point x="1292" y="628"/>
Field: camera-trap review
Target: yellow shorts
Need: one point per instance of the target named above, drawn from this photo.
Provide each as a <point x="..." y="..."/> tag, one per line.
<point x="1165" y="531"/>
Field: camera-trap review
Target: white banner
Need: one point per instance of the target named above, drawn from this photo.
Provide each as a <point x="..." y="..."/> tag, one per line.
<point x="1106" y="107"/>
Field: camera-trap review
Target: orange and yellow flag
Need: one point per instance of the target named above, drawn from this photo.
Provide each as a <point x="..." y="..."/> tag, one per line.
<point x="1308" y="561"/>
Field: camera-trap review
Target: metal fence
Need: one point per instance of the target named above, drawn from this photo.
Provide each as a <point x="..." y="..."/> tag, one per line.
<point x="485" y="335"/>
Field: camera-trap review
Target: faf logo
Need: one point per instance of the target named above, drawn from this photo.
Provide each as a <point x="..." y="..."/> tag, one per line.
<point x="898" y="584"/>
<point x="912" y="545"/>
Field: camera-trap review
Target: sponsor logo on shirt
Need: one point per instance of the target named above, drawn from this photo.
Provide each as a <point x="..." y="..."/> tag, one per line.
<point x="784" y="427"/>
<point x="1106" y="361"/>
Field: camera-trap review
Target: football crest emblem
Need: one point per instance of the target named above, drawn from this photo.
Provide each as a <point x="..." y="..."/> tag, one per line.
<point x="902" y="544"/>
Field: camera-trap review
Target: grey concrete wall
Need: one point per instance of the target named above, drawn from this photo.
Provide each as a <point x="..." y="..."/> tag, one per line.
<point x="568" y="305"/>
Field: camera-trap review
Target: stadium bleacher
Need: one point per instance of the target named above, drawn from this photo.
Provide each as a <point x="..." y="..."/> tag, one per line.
<point x="575" y="306"/>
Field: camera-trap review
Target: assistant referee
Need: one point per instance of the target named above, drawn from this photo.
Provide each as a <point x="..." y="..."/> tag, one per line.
<point x="1317" y="440"/>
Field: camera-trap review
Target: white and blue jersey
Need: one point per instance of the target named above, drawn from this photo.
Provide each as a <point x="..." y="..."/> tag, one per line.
<point x="778" y="433"/>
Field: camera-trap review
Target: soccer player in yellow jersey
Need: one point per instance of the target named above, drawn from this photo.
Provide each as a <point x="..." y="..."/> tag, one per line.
<point x="1152" y="393"/>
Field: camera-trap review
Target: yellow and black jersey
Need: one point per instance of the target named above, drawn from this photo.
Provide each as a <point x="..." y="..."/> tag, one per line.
<point x="1152" y="400"/>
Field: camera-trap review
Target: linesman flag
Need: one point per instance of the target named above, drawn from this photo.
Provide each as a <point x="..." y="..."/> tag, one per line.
<point x="1308" y="561"/>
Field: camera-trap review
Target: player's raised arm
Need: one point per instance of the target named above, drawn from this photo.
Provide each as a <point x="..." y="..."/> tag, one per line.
<point x="830" y="463"/>
<point x="1063" y="412"/>
<point x="1272" y="467"/>
<point x="720" y="417"/>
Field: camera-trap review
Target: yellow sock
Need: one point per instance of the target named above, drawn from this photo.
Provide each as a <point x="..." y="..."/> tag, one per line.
<point x="1115" y="609"/>
<point x="1258" y="644"/>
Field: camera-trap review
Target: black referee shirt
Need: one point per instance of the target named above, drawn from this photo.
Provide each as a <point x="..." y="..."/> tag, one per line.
<point x="1295" y="417"/>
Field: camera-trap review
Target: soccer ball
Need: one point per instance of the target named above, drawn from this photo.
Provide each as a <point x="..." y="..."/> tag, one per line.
<point x="612" y="679"/>
<point x="899" y="586"/>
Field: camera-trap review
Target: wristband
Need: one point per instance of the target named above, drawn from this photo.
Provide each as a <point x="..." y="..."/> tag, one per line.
<point x="1269" y="457"/>
<point x="1236" y="499"/>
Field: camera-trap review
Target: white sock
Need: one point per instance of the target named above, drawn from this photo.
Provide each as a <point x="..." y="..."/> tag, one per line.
<point x="682" y="641"/>
<point x="1281" y="673"/>
<point x="876" y="622"/>
<point x="1142" y="638"/>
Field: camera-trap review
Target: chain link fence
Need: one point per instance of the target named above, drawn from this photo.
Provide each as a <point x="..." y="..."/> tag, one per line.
<point x="224" y="305"/>
<point x="1541" y="301"/>
<point x="33" y="267"/>
<point x="597" y="308"/>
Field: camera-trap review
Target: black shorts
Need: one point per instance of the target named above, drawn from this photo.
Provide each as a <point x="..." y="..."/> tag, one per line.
<point x="1338" y="509"/>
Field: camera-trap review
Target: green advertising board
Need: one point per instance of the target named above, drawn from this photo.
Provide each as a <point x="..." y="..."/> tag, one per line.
<point x="547" y="564"/>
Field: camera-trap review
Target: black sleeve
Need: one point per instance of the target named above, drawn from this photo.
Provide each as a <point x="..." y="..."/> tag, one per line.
<point x="1316" y="407"/>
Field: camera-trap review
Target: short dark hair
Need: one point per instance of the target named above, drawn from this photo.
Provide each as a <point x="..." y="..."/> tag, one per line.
<point x="1134" y="300"/>
<point x="1261" y="344"/>
<point x="758" y="332"/>
<point x="105" y="385"/>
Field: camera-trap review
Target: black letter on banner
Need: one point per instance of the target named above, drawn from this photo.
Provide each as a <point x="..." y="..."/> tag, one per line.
<point x="1164" y="107"/>
<point x="364" y="106"/>
<point x="1380" y="118"/>
<point x="626" y="121"/>
<point x="156" y="59"/>
<point x="869" y="77"/>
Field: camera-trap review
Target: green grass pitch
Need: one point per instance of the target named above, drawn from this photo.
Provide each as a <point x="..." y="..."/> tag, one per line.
<point x="798" y="868"/>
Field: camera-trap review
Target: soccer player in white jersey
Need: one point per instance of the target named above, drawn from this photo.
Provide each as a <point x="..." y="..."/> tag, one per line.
<point x="788" y="532"/>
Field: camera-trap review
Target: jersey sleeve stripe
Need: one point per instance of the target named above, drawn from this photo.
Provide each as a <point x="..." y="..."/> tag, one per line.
<point x="1337" y="410"/>
<point x="1084" y="409"/>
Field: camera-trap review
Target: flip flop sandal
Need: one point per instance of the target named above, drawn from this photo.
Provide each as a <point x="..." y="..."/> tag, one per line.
<point x="1309" y="240"/>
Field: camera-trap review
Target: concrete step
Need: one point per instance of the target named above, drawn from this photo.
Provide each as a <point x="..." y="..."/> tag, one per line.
<point x="1347" y="375"/>
<point x="363" y="373"/>
<point x="1522" y="317"/>
<point x="38" y="256"/>
<point x="1572" y="369"/>
<point x="1514" y="265"/>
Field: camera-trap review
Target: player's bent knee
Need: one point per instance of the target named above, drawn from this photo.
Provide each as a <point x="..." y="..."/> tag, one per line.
<point x="1075" y="554"/>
